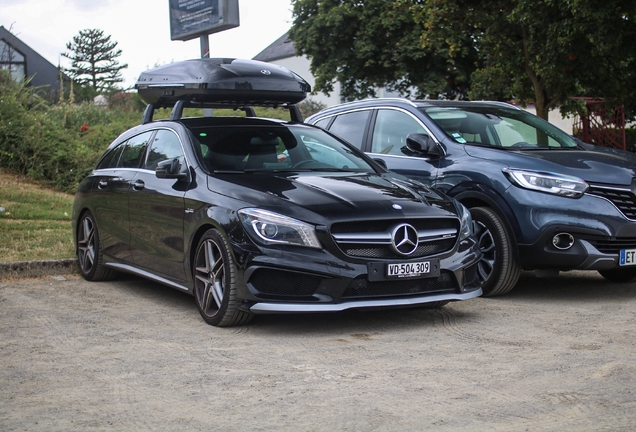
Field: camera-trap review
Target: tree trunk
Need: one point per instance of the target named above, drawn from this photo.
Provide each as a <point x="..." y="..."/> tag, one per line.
<point x="539" y="103"/>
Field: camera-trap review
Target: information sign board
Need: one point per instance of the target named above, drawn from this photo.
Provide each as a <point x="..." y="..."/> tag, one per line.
<point x="193" y="18"/>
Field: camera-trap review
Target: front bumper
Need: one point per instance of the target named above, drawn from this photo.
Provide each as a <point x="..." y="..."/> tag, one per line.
<point x="265" y="308"/>
<point x="600" y="231"/>
<point x="278" y="281"/>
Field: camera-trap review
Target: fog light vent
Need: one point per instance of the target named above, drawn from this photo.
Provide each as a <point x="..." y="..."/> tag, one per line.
<point x="563" y="241"/>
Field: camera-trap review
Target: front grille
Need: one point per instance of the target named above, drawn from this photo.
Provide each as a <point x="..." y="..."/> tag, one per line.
<point x="382" y="251"/>
<point x="372" y="239"/>
<point x="360" y="287"/>
<point x="609" y="245"/>
<point x="623" y="199"/>
<point x="284" y="283"/>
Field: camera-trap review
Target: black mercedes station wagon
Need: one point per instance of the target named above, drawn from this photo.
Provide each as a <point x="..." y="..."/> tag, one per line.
<point x="255" y="216"/>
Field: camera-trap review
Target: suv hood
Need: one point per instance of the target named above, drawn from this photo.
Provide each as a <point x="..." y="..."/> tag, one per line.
<point x="599" y="165"/>
<point x="340" y="196"/>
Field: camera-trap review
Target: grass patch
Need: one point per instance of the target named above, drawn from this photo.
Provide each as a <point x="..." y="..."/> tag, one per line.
<point x="35" y="221"/>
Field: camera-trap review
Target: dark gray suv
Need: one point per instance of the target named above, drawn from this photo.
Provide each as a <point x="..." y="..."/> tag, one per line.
<point x="540" y="199"/>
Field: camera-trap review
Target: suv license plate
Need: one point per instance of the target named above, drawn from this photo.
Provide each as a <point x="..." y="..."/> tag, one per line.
<point x="408" y="269"/>
<point x="628" y="257"/>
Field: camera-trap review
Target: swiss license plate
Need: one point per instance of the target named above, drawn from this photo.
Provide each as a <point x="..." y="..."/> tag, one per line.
<point x="408" y="269"/>
<point x="628" y="257"/>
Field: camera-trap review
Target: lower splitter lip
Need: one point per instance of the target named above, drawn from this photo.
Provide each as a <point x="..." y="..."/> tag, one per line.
<point x="266" y="308"/>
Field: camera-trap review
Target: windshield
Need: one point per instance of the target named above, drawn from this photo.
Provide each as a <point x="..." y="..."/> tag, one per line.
<point x="507" y="128"/>
<point x="275" y="148"/>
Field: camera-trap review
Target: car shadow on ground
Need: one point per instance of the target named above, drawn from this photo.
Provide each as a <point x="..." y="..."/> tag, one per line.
<point x="348" y="321"/>
<point x="571" y="286"/>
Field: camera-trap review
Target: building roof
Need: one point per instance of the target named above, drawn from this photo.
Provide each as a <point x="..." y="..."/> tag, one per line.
<point x="41" y="71"/>
<point x="282" y="48"/>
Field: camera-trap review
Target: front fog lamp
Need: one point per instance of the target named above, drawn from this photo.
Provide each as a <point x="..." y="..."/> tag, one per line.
<point x="557" y="184"/>
<point x="272" y="228"/>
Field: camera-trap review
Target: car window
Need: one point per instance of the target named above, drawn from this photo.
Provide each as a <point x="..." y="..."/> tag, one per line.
<point x="391" y="129"/>
<point x="323" y="122"/>
<point x="238" y="149"/>
<point x="166" y="145"/>
<point x="326" y="152"/>
<point x="111" y="158"/>
<point x="350" y="126"/>
<point x="134" y="151"/>
<point x="499" y="127"/>
<point x="511" y="131"/>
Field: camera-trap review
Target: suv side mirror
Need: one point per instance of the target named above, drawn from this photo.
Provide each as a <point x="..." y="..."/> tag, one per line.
<point x="423" y="145"/>
<point x="381" y="162"/>
<point x="170" y="169"/>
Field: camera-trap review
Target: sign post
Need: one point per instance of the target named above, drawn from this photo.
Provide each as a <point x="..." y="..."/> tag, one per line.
<point x="190" y="19"/>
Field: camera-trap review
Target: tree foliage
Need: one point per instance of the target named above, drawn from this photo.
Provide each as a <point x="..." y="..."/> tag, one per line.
<point x="94" y="61"/>
<point x="544" y="51"/>
<point x="374" y="43"/>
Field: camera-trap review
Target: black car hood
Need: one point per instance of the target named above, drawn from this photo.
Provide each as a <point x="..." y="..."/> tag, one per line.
<point x="337" y="196"/>
<point x="599" y="165"/>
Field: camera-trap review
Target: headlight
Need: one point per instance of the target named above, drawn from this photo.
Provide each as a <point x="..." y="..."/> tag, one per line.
<point x="466" y="222"/>
<point x="557" y="184"/>
<point x="272" y="228"/>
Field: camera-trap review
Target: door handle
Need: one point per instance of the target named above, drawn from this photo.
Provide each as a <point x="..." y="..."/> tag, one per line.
<point x="102" y="183"/>
<point x="138" y="185"/>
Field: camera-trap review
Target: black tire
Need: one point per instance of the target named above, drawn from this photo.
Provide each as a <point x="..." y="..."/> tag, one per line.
<point x="498" y="268"/>
<point x="619" y="274"/>
<point x="90" y="256"/>
<point x="215" y="282"/>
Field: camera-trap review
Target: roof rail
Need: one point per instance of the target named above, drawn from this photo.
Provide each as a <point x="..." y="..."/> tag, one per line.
<point x="177" y="109"/>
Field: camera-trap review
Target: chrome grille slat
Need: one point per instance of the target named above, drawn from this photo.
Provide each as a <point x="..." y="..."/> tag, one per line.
<point x="373" y="239"/>
<point x="623" y="199"/>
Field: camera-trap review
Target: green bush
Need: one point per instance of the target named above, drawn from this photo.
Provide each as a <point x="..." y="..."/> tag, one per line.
<point x="56" y="144"/>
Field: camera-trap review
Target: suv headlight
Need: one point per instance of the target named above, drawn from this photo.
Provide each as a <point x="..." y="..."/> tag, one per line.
<point x="272" y="228"/>
<point x="557" y="184"/>
<point x="466" y="222"/>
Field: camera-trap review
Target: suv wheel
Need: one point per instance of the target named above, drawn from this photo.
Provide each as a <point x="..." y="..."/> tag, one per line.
<point x="498" y="269"/>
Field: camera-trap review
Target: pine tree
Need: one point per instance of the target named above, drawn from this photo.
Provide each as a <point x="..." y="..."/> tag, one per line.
<point x="94" y="61"/>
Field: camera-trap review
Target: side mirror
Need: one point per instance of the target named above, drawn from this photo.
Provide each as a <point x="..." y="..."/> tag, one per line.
<point x="381" y="162"/>
<point x="170" y="169"/>
<point x="423" y="145"/>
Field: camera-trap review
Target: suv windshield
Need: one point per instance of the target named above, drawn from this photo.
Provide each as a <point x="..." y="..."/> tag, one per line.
<point x="275" y="148"/>
<point x="498" y="127"/>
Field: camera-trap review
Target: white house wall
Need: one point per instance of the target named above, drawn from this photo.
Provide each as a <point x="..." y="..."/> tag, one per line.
<point x="300" y="65"/>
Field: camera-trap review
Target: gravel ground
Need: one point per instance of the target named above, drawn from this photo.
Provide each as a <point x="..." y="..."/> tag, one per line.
<point x="555" y="354"/>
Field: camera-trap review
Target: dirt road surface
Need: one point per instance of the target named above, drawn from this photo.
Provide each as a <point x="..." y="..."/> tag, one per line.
<point x="555" y="354"/>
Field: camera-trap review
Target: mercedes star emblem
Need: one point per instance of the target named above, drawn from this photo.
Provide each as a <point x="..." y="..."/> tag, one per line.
<point x="404" y="239"/>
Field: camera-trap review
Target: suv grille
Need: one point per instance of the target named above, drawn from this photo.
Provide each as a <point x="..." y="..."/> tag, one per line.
<point x="623" y="199"/>
<point x="373" y="239"/>
<point x="609" y="245"/>
<point x="361" y="287"/>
